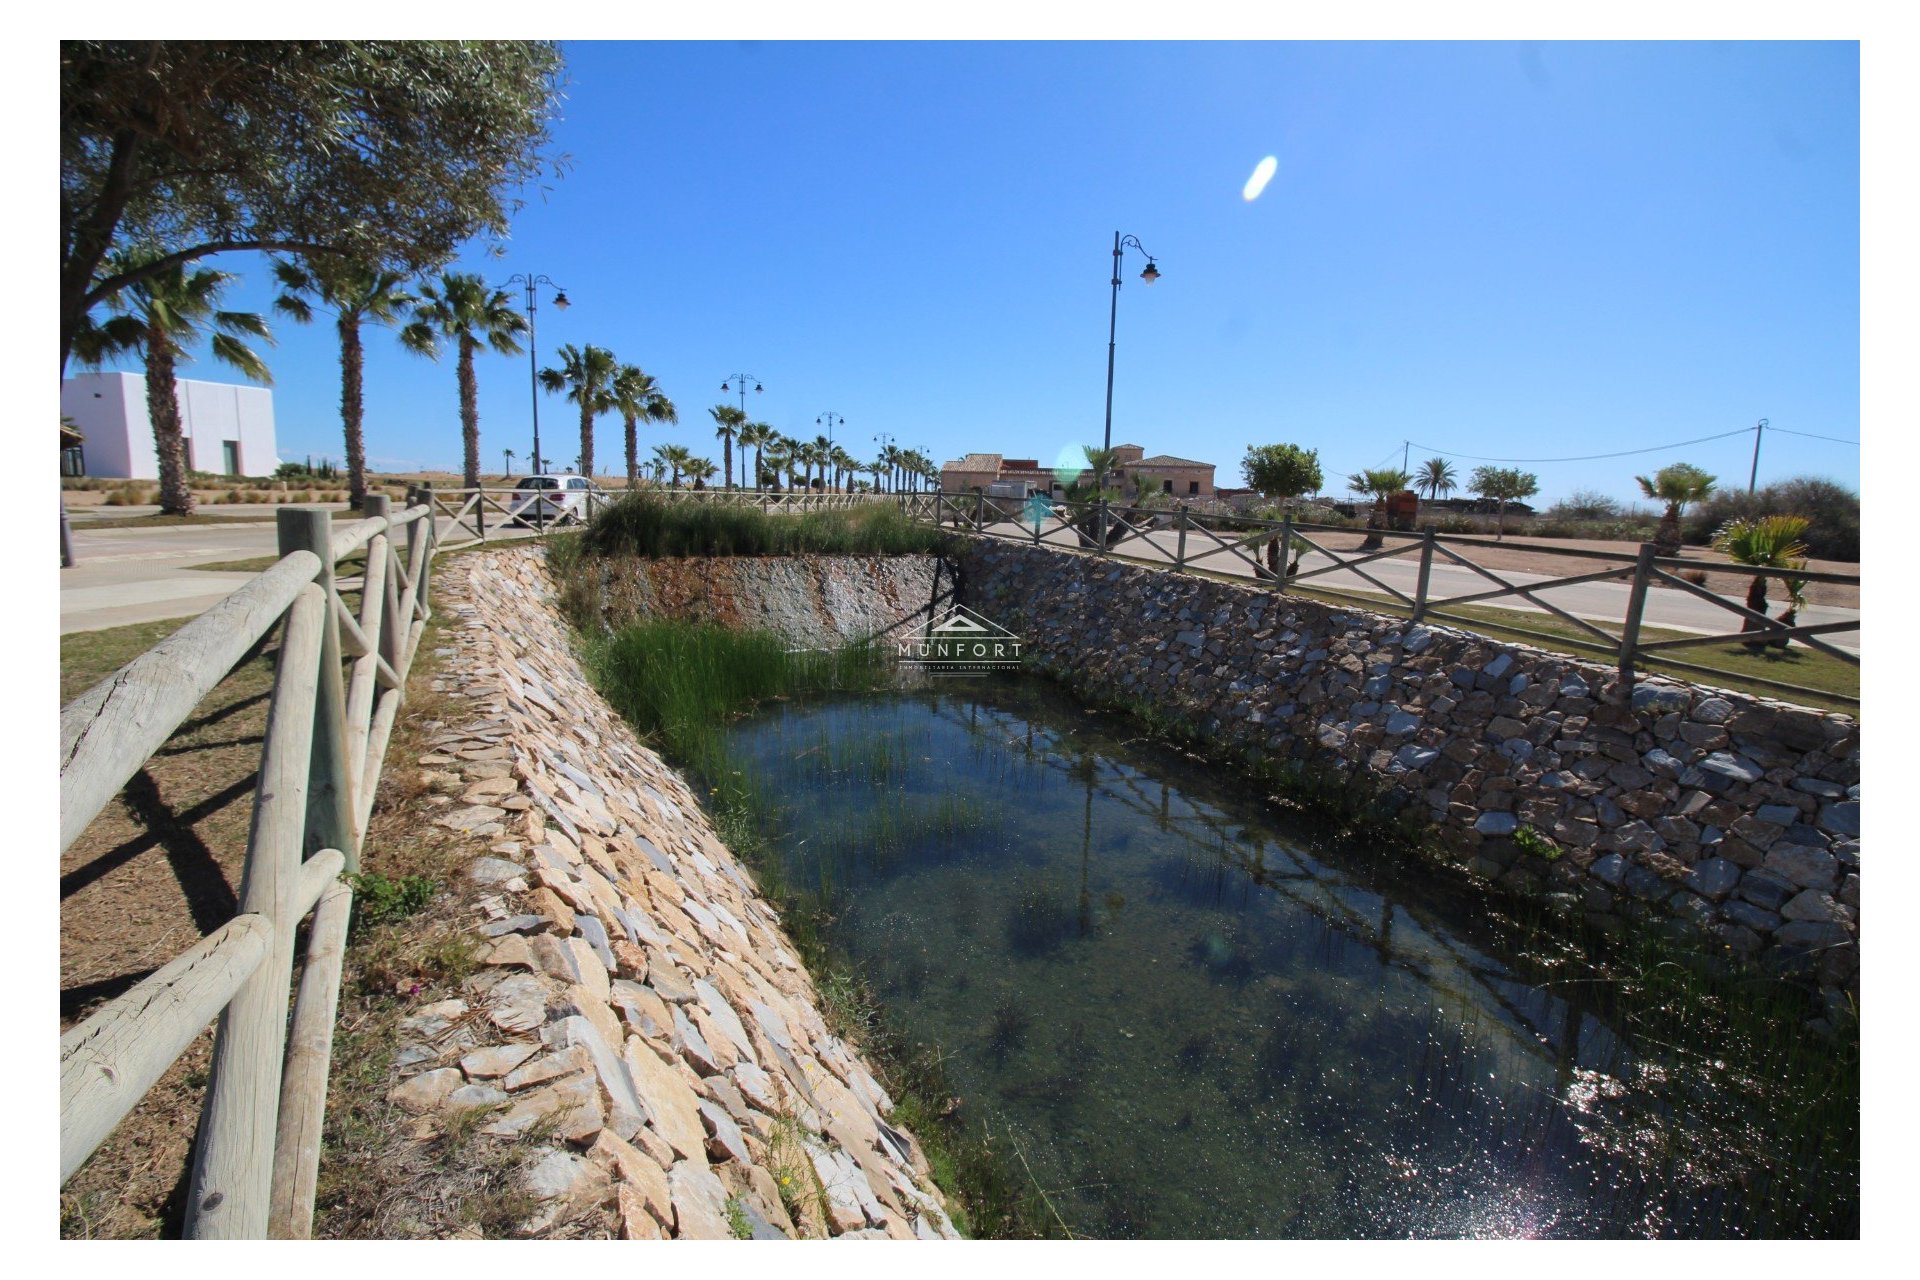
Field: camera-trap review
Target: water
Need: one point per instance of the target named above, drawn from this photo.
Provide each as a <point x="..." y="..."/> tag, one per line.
<point x="1192" y="1019"/>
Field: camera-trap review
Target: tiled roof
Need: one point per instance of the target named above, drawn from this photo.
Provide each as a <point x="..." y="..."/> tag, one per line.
<point x="1168" y="460"/>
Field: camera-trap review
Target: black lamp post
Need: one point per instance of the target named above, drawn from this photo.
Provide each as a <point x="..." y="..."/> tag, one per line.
<point x="829" y="420"/>
<point x="743" y="379"/>
<point x="531" y="284"/>
<point x="1149" y="275"/>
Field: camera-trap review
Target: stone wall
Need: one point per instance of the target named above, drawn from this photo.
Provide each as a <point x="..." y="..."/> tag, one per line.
<point x="1735" y="818"/>
<point x="637" y="996"/>
<point x="808" y="600"/>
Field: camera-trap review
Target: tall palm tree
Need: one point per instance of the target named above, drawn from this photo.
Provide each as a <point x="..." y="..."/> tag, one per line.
<point x="1677" y="486"/>
<point x="1379" y="483"/>
<point x="508" y="456"/>
<point x="1767" y="542"/>
<point x="757" y="436"/>
<point x="1436" y="477"/>
<point x="355" y="294"/>
<point x="586" y="375"/>
<point x="158" y="315"/>
<point x="777" y="455"/>
<point x="463" y="309"/>
<point x="728" y="419"/>
<point x="635" y="396"/>
<point x="875" y="468"/>
<point x="701" y="470"/>
<point x="843" y="467"/>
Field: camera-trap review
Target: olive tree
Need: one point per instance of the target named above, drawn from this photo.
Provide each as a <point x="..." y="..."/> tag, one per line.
<point x="390" y="153"/>
<point x="1283" y="471"/>
<point x="1503" y="485"/>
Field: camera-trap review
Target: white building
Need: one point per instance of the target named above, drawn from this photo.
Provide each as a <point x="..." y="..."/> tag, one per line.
<point x="228" y="428"/>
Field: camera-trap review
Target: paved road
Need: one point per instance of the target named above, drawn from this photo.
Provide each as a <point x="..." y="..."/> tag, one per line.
<point x="124" y="576"/>
<point x="1603" y="602"/>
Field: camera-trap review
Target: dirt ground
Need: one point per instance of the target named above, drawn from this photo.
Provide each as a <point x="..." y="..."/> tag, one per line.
<point x="1545" y="556"/>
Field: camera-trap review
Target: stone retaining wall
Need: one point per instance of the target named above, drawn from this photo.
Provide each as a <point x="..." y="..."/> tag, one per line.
<point x="808" y="600"/>
<point x="1734" y="817"/>
<point x="637" y="995"/>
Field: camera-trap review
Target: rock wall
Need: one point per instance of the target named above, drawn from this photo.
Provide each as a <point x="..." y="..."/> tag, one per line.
<point x="1735" y="818"/>
<point x="819" y="601"/>
<point x="637" y="997"/>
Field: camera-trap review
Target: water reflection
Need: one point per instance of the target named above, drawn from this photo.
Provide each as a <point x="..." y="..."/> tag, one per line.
<point x="1197" y="1022"/>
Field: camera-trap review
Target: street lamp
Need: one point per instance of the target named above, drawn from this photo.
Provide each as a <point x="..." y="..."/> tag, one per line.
<point x="531" y="283"/>
<point x="743" y="379"/>
<point x="1149" y="275"/>
<point x="829" y="420"/>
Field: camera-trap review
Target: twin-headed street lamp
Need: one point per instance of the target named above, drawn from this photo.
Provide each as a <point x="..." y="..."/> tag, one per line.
<point x="531" y="284"/>
<point x="742" y="379"/>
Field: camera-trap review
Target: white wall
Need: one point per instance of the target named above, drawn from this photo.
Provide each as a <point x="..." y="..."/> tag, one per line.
<point x="111" y="411"/>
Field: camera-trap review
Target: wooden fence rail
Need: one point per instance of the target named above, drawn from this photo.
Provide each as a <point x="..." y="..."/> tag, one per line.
<point x="338" y="683"/>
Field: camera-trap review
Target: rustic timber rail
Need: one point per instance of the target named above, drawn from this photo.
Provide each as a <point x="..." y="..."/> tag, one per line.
<point x="1181" y="539"/>
<point x="488" y="514"/>
<point x="338" y="685"/>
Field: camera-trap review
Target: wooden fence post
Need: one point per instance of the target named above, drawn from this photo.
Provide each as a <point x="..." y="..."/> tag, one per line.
<point x="1180" y="548"/>
<point x="330" y="791"/>
<point x="1104" y="517"/>
<point x="230" y="1191"/>
<point x="1426" y="573"/>
<point x="1636" y="605"/>
<point x="1286" y="549"/>
<point x="392" y="637"/>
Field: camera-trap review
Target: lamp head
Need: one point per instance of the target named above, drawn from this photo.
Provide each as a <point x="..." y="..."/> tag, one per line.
<point x="725" y="387"/>
<point x="1152" y="272"/>
<point x="757" y="388"/>
<point x="560" y="300"/>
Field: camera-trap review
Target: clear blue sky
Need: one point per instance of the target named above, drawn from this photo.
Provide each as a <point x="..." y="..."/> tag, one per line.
<point x="1508" y="250"/>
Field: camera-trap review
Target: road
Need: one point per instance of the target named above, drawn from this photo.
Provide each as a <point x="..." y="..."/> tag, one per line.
<point x="124" y="576"/>
<point x="1603" y="602"/>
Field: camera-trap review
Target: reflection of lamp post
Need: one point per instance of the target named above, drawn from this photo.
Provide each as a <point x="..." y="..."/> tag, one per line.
<point x="531" y="283"/>
<point x="1149" y="275"/>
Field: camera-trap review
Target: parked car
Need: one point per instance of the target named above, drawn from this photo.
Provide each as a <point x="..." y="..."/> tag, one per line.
<point x="556" y="499"/>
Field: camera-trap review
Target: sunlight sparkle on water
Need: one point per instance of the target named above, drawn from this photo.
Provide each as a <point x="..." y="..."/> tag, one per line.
<point x="1262" y="175"/>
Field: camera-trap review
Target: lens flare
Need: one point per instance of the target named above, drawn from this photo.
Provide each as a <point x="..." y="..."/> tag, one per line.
<point x="1262" y="175"/>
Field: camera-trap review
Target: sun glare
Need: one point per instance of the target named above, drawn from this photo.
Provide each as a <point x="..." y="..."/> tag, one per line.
<point x="1262" y="175"/>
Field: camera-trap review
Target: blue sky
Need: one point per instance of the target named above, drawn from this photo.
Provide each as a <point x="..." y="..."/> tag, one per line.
<point x="1504" y="250"/>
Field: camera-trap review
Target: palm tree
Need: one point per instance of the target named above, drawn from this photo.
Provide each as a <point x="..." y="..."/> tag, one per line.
<point x="508" y="455"/>
<point x="875" y="468"/>
<point x="1676" y="486"/>
<point x="777" y="458"/>
<point x="1436" y="477"/>
<point x="727" y="422"/>
<point x="1100" y="462"/>
<point x="844" y="466"/>
<point x="756" y="436"/>
<point x="463" y="309"/>
<point x="1768" y="542"/>
<point x="355" y="294"/>
<point x="701" y="470"/>
<point x="586" y="375"/>
<point x="674" y="457"/>
<point x="1378" y="483"/>
<point x="158" y="315"/>
<point x="635" y="396"/>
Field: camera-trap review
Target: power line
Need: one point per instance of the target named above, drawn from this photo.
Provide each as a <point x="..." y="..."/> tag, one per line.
<point x="1590" y="457"/>
<point x="1809" y="435"/>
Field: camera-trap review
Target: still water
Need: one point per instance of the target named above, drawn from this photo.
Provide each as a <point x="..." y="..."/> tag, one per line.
<point x="1194" y="1020"/>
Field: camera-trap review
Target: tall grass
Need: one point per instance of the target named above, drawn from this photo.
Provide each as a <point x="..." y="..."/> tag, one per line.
<point x="646" y="525"/>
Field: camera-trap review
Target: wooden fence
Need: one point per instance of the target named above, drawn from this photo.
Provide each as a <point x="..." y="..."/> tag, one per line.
<point x="1182" y="540"/>
<point x="489" y="514"/>
<point x="338" y="685"/>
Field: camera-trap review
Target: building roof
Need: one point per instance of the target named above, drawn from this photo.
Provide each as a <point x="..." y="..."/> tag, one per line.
<point x="975" y="462"/>
<point x="1168" y="460"/>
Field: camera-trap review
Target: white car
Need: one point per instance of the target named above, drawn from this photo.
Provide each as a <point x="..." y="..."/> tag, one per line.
<point x="540" y="499"/>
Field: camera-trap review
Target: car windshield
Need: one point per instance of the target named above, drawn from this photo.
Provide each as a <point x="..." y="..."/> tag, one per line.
<point x="536" y="482"/>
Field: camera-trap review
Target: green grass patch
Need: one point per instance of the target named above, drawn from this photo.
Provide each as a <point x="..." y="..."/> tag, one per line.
<point x="88" y="657"/>
<point x="256" y="564"/>
<point x="643" y="524"/>
<point x="166" y="522"/>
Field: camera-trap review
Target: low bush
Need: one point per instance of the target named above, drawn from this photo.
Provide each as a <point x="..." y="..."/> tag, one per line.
<point x="652" y="527"/>
<point x="1832" y="512"/>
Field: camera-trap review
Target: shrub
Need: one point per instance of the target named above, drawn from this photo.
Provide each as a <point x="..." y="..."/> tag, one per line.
<point x="645" y="525"/>
<point x="1585" y="504"/>
<point x="379" y="899"/>
<point x="1832" y="512"/>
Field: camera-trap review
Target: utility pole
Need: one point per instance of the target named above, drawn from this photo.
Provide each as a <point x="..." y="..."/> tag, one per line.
<point x="1406" y="450"/>
<point x="1754" y="474"/>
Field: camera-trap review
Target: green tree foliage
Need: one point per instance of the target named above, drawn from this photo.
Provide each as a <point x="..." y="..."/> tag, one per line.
<point x="586" y="374"/>
<point x="1832" y="510"/>
<point x="727" y="421"/>
<point x="389" y="153"/>
<point x="1437" y="478"/>
<point x="1764" y="542"/>
<point x="1281" y="470"/>
<point x="1503" y="485"/>
<point x="636" y="396"/>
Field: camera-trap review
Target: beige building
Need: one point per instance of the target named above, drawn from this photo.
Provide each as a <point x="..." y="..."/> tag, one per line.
<point x="1134" y="474"/>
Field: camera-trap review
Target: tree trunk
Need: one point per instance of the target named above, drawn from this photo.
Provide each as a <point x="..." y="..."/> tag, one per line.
<point x="1790" y="617"/>
<point x="163" y="407"/>
<point x="469" y="415"/>
<point x="1757" y="602"/>
<point x="1667" y="536"/>
<point x="352" y="362"/>
<point x="633" y="453"/>
<point x="726" y="444"/>
<point x="586" y="431"/>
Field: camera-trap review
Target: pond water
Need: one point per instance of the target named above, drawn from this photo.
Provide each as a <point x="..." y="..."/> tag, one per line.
<point x="1191" y="1019"/>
